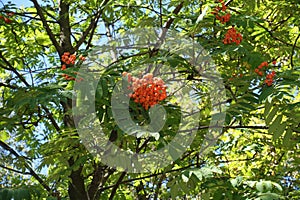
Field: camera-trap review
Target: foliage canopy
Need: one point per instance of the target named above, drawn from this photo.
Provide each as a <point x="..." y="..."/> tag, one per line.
<point x="255" y="157"/>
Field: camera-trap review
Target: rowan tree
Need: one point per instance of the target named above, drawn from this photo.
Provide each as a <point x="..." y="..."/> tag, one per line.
<point x="255" y="49"/>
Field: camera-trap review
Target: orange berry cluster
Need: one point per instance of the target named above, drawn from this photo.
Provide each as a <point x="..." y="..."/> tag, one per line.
<point x="148" y="90"/>
<point x="232" y="36"/>
<point x="224" y="18"/>
<point x="70" y="59"/>
<point x="269" y="77"/>
<point x="6" y="19"/>
<point x="260" y="67"/>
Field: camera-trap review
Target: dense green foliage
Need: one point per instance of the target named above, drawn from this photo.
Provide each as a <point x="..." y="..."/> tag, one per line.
<point x="257" y="156"/>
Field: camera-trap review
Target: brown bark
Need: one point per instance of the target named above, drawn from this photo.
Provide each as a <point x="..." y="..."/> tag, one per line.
<point x="76" y="188"/>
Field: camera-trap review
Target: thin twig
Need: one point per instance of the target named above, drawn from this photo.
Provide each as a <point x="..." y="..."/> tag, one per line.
<point x="293" y="50"/>
<point x="31" y="171"/>
<point x="45" y="24"/>
<point x="91" y="26"/>
<point x="115" y="187"/>
<point x="17" y="171"/>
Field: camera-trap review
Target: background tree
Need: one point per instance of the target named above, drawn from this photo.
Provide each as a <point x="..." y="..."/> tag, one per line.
<point x="257" y="156"/>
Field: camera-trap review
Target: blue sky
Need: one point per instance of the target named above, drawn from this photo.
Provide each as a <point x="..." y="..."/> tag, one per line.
<point x="19" y="3"/>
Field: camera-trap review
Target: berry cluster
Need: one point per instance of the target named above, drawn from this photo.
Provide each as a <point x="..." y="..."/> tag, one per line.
<point x="269" y="76"/>
<point x="6" y="18"/>
<point x="259" y="71"/>
<point x="232" y="36"/>
<point x="222" y="18"/>
<point x="148" y="90"/>
<point x="69" y="60"/>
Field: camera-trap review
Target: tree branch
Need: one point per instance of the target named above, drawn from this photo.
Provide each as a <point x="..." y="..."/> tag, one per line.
<point x="228" y="2"/>
<point x="97" y="177"/>
<point x="10" y="169"/>
<point x="162" y="36"/>
<point x="11" y="68"/>
<point x="76" y="188"/>
<point x="31" y="171"/>
<point x="151" y="175"/>
<point x="293" y="50"/>
<point x="92" y="26"/>
<point x="115" y="187"/>
<point x="269" y="31"/>
<point x="50" y="117"/>
<point x="8" y="86"/>
<point x="65" y="29"/>
<point x="175" y="12"/>
<point x="103" y="181"/>
<point x="45" y="24"/>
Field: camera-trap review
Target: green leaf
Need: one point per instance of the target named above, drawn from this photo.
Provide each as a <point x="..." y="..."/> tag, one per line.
<point x="277" y="128"/>
<point x="218" y="195"/>
<point x="193" y="181"/>
<point x="287" y="139"/>
<point x="237" y="181"/>
<point x="279" y="131"/>
<point x="268" y="185"/>
<point x="185" y="177"/>
<point x="260" y="186"/>
<point x="247" y="105"/>
<point x="266" y="91"/>
<point x="272" y="114"/>
<point x="228" y="119"/>
<point x="184" y="187"/>
<point x="269" y="196"/>
<point x="6" y="194"/>
<point x="277" y="186"/>
<point x="251" y="97"/>
<point x="104" y="86"/>
<point x="205" y="196"/>
<point x="174" y="191"/>
<point x="268" y="106"/>
<point x="198" y="174"/>
<point x="174" y="152"/>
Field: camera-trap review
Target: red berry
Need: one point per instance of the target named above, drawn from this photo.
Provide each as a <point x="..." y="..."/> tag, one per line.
<point x="269" y="82"/>
<point x="232" y="36"/>
<point x="10" y="14"/>
<point x="265" y="64"/>
<point x="8" y="21"/>
<point x="147" y="90"/>
<point x="269" y="76"/>
<point x="82" y="58"/>
<point x="273" y="73"/>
